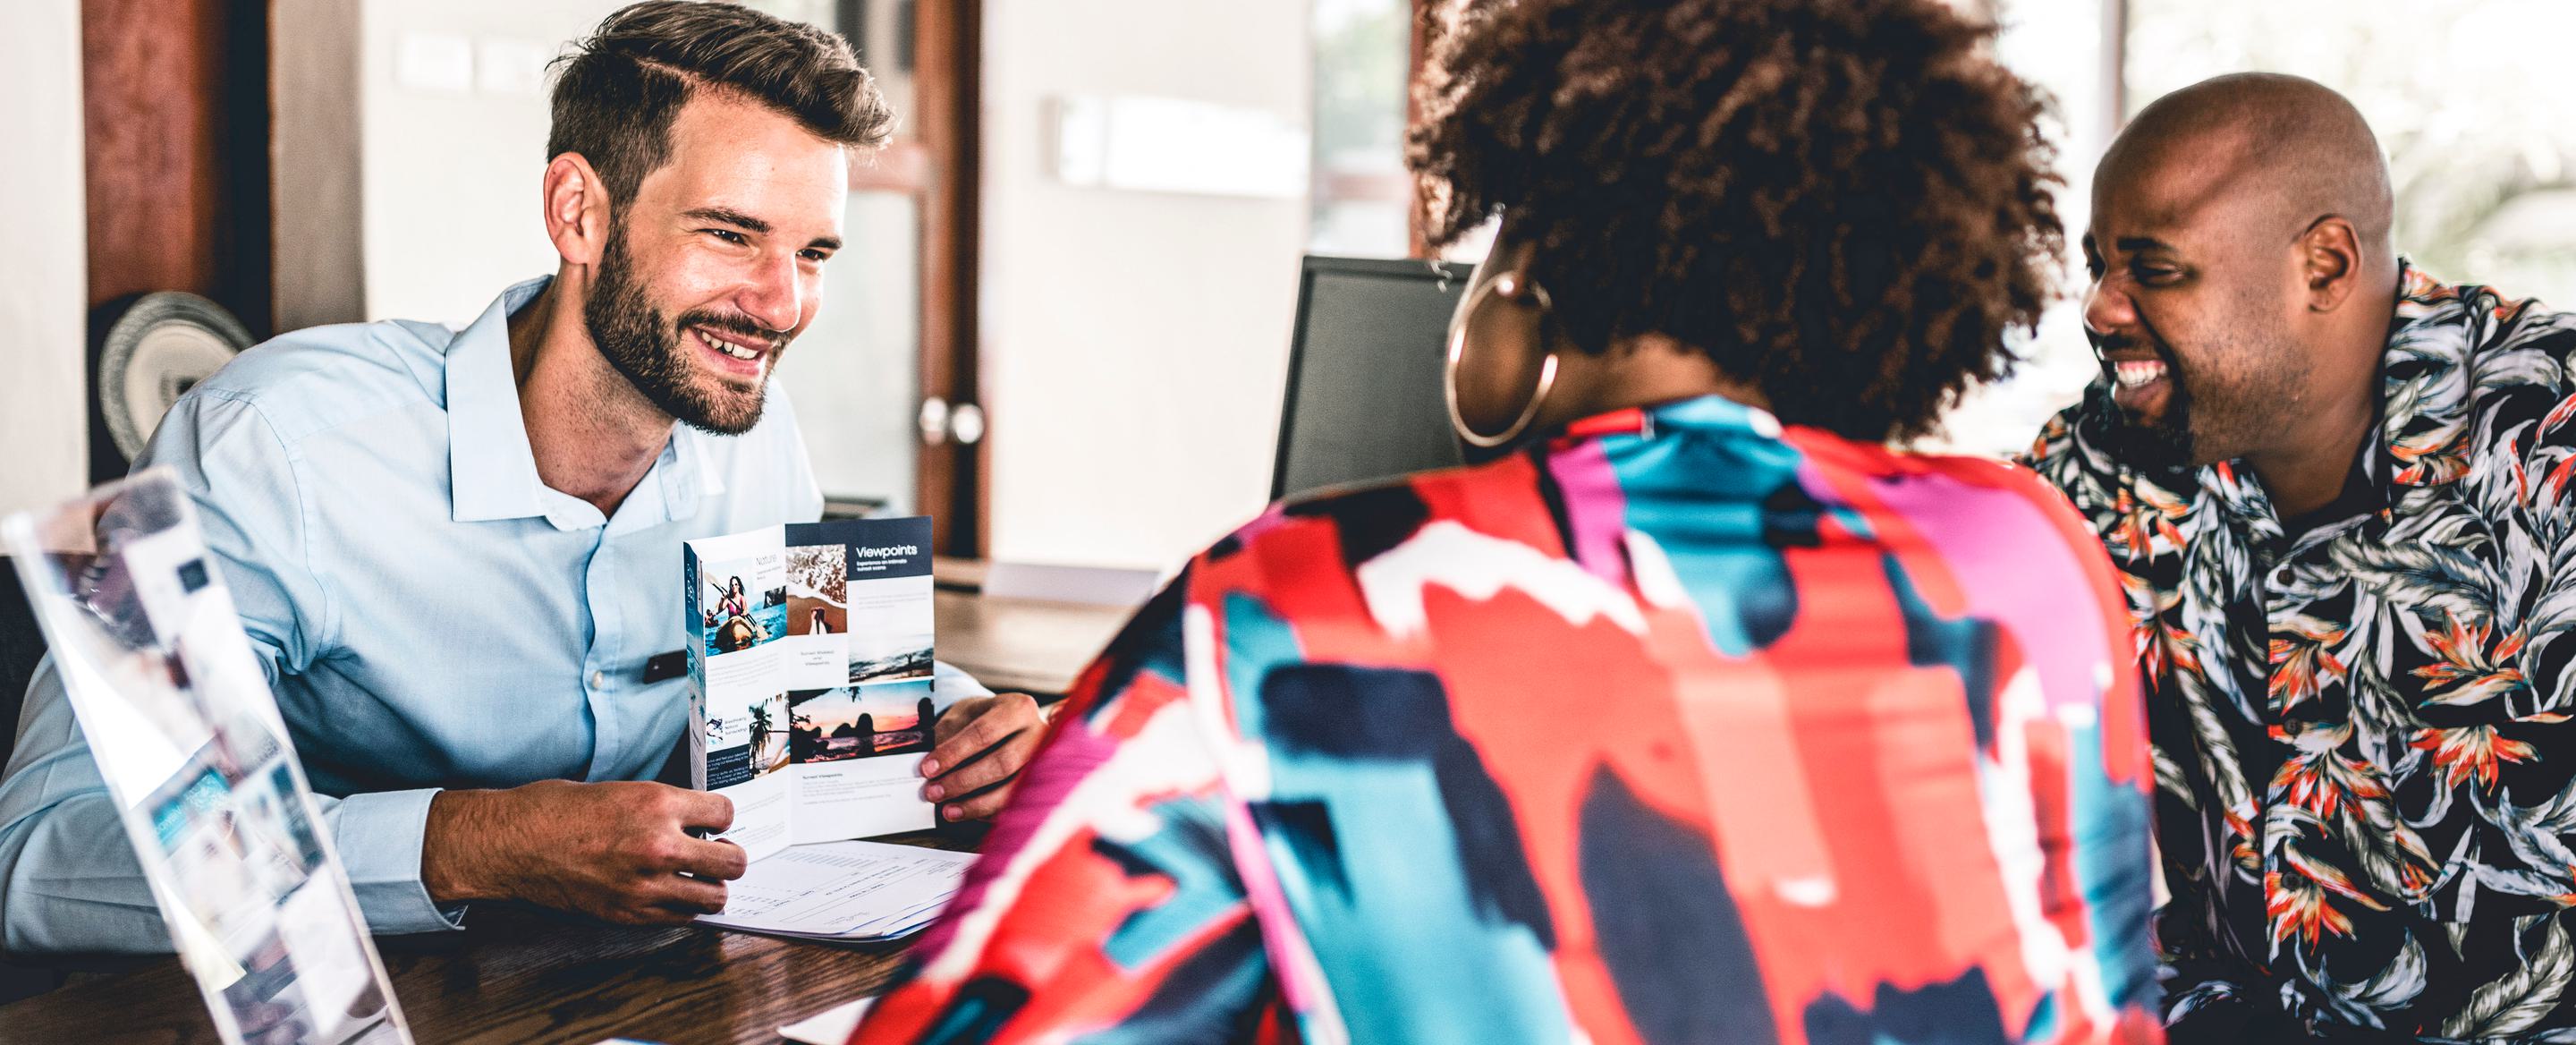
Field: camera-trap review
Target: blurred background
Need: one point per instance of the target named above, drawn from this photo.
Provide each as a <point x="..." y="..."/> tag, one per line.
<point x="1063" y="322"/>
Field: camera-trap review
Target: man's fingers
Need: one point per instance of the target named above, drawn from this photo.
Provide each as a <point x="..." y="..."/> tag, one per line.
<point x="1003" y="717"/>
<point x="981" y="806"/>
<point x="688" y="896"/>
<point x="719" y="860"/>
<point x="999" y="763"/>
<point x="653" y="914"/>
<point x="701" y="809"/>
<point x="958" y="715"/>
<point x="968" y="742"/>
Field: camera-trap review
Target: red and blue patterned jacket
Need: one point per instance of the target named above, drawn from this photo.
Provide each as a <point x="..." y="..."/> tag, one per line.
<point x="1679" y="728"/>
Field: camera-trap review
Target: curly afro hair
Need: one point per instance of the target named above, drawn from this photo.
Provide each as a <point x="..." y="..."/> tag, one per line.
<point x="1844" y="202"/>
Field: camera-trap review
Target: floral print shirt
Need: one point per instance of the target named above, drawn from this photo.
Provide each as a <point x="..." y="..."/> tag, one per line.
<point x="2365" y="734"/>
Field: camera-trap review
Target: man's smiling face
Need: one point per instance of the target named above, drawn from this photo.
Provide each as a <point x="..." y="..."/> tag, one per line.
<point x="2193" y="301"/>
<point x="717" y="263"/>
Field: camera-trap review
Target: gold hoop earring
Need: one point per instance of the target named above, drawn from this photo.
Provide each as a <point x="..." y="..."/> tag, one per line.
<point x="1538" y="395"/>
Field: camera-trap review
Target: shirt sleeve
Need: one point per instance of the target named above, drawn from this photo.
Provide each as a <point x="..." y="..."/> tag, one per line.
<point x="953" y="683"/>
<point x="2209" y="994"/>
<point x="69" y="879"/>
<point x="1106" y="899"/>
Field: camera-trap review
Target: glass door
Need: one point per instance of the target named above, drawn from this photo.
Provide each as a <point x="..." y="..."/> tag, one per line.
<point x="884" y="379"/>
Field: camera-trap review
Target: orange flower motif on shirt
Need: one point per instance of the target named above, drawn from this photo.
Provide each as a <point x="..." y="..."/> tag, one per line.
<point x="2240" y="826"/>
<point x="2145" y="514"/>
<point x="2161" y="647"/>
<point x="2472" y="672"/>
<point x="2431" y="457"/>
<point x="2300" y="911"/>
<point x="2300" y="659"/>
<point x="2299" y="902"/>
<point x="2322" y="782"/>
<point x="2469" y="751"/>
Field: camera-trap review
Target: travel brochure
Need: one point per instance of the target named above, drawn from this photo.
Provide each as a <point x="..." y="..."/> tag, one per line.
<point x="196" y="758"/>
<point x="809" y="656"/>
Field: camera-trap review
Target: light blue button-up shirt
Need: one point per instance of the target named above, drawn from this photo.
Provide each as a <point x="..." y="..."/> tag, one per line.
<point x="430" y="614"/>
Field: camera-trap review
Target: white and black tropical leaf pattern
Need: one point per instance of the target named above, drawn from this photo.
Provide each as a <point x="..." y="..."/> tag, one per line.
<point x="2366" y="734"/>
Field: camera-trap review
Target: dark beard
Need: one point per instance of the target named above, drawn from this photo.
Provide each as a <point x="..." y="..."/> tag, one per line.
<point x="2161" y="445"/>
<point x="636" y="340"/>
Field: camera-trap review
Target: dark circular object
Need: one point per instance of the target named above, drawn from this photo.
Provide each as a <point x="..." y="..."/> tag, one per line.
<point x="155" y="353"/>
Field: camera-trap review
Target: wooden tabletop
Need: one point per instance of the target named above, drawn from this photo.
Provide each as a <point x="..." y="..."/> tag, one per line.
<point x="519" y="974"/>
<point x="1023" y="645"/>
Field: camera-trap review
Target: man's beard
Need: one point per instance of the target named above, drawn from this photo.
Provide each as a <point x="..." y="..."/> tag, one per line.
<point x="636" y="340"/>
<point x="2162" y="444"/>
<point x="2234" y="413"/>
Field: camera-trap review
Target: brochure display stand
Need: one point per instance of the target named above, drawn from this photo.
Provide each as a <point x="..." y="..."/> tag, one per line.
<point x="189" y="742"/>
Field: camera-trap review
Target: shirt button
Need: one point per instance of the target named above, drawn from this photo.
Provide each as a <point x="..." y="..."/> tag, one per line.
<point x="599" y="680"/>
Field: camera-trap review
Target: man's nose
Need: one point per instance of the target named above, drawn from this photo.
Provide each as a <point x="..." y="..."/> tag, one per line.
<point x="2108" y="310"/>
<point x="774" y="297"/>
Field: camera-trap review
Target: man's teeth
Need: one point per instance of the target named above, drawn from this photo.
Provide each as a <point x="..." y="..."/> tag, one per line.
<point x="2138" y="373"/>
<point x="741" y="352"/>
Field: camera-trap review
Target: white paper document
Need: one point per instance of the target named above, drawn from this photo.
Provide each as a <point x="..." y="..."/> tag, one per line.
<point x="829" y="1027"/>
<point x="855" y="891"/>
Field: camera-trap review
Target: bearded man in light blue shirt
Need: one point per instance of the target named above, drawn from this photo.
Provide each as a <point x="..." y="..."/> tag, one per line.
<point x="455" y="553"/>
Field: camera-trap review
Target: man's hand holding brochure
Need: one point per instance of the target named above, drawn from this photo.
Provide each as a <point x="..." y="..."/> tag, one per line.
<point x="814" y="706"/>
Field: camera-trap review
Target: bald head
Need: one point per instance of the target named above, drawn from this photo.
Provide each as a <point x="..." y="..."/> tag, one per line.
<point x="2244" y="276"/>
<point x="2280" y="152"/>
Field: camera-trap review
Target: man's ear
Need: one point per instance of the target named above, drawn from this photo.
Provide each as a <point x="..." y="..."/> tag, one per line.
<point x="2330" y="262"/>
<point x="577" y="210"/>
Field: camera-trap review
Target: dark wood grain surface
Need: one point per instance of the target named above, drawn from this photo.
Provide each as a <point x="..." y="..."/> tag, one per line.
<point x="1023" y="645"/>
<point x="521" y="975"/>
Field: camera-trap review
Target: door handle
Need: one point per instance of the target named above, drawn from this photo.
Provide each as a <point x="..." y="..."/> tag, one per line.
<point x="962" y="424"/>
<point x="933" y="421"/>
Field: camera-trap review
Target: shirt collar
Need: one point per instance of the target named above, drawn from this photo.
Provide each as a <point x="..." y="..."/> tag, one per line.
<point x="2427" y="395"/>
<point x="1714" y="413"/>
<point x="689" y="472"/>
<point x="491" y="467"/>
<point x="492" y="474"/>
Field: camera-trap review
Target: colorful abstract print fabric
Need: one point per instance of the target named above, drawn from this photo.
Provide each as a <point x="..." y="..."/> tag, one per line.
<point x="2362" y="732"/>
<point x="1682" y="729"/>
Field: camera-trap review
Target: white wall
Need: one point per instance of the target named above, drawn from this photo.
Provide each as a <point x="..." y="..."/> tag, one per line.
<point x="44" y="390"/>
<point x="313" y="163"/>
<point x="1135" y="344"/>
<point x="448" y="185"/>
<point x="2065" y="47"/>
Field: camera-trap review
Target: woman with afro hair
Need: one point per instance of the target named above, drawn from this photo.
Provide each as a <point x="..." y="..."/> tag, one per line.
<point x="1701" y="716"/>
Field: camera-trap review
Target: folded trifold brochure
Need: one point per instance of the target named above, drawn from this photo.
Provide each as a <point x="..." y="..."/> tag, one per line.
<point x="810" y="678"/>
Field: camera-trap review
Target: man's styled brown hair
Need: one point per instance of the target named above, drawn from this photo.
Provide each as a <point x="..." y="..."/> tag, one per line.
<point x="621" y="87"/>
<point x="1845" y="202"/>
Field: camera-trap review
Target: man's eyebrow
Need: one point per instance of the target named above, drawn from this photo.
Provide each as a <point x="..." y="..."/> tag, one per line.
<point x="832" y="243"/>
<point x="727" y="215"/>
<point x="2134" y="244"/>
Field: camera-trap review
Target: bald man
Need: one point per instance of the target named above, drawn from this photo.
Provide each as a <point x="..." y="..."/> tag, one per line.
<point x="2340" y="491"/>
